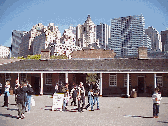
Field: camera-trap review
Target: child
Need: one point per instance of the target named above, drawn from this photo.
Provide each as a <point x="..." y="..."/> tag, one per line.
<point x="156" y="102"/>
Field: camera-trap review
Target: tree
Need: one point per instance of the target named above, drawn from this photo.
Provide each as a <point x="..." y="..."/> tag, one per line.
<point x="37" y="57"/>
<point x="92" y="77"/>
<point x="59" y="57"/>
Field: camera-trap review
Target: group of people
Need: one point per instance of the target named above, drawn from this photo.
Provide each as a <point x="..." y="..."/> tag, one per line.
<point x="78" y="93"/>
<point x="23" y="94"/>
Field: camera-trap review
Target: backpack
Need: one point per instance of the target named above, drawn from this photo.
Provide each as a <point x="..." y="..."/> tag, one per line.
<point x="30" y="91"/>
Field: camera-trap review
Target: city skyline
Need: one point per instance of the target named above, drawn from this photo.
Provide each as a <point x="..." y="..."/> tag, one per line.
<point x="22" y="16"/>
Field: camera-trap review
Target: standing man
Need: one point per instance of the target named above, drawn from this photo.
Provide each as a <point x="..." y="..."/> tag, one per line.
<point x="74" y="95"/>
<point x="56" y="88"/>
<point x="16" y="86"/>
<point x="81" y="97"/>
<point x="20" y="100"/>
<point x="0" y="89"/>
<point x="26" y="99"/>
<point x="6" y="94"/>
<point x="96" y="94"/>
<point x="29" y="93"/>
<point x="90" y="96"/>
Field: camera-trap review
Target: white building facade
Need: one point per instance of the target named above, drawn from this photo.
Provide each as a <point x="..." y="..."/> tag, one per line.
<point x="38" y="38"/>
<point x="127" y="34"/>
<point x="63" y="49"/>
<point x="68" y="37"/>
<point x="4" y="52"/>
<point x="86" y="34"/>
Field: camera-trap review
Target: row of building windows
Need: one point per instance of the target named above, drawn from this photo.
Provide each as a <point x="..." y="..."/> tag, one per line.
<point x="113" y="80"/>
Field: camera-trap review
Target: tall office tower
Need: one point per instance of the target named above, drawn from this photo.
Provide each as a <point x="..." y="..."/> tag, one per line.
<point x="155" y="37"/>
<point x="103" y="35"/>
<point x="164" y="40"/>
<point x="26" y="46"/>
<point x="78" y="35"/>
<point x="86" y="34"/>
<point x="38" y="38"/>
<point x="16" y="40"/>
<point x="127" y="34"/>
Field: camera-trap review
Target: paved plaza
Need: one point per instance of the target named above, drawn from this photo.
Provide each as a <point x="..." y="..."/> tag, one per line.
<point x="114" y="111"/>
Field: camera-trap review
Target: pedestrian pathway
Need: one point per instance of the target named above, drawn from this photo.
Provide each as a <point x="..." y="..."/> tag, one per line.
<point x="113" y="111"/>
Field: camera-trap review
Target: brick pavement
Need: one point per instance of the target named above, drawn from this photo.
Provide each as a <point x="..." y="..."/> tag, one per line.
<point x="115" y="111"/>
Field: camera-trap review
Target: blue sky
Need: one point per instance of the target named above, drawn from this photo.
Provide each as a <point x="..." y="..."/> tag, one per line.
<point x="23" y="14"/>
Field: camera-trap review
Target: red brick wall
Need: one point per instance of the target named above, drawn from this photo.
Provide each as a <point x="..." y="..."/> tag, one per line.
<point x="105" y="80"/>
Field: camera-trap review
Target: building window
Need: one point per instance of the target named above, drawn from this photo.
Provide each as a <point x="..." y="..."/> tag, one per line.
<point x="7" y="77"/>
<point x="125" y="80"/>
<point x="159" y="81"/>
<point x="48" y="79"/>
<point x="113" y="80"/>
<point x="23" y="77"/>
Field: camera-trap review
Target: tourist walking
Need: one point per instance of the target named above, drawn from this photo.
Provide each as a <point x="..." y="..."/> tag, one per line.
<point x="96" y="95"/>
<point x="74" y="95"/>
<point x="56" y="88"/>
<point x="81" y="97"/>
<point x="16" y="86"/>
<point x="6" y="94"/>
<point x="156" y="102"/>
<point x="90" y="96"/>
<point x="0" y="89"/>
<point x="20" y="100"/>
<point x="29" y="93"/>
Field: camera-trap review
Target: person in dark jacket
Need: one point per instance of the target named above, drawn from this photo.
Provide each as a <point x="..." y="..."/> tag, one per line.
<point x="29" y="93"/>
<point x="96" y="92"/>
<point x="74" y="95"/>
<point x="20" y="100"/>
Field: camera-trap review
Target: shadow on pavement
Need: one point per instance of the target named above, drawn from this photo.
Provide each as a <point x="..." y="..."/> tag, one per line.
<point x="48" y="109"/>
<point x="164" y="103"/>
<point x="48" y="106"/>
<point x="12" y="109"/>
<point x="162" y="121"/>
<point x="8" y="115"/>
<point x="12" y="104"/>
<point x="141" y="116"/>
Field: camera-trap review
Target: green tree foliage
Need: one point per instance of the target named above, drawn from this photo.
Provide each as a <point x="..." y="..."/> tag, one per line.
<point x="92" y="77"/>
<point x="59" y="57"/>
<point x="37" y="57"/>
<point x="21" y="58"/>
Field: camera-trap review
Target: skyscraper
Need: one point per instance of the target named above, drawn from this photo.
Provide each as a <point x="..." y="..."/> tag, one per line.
<point x="16" y="40"/>
<point x="127" y="34"/>
<point x="103" y="35"/>
<point x="164" y="39"/>
<point x="155" y="37"/>
<point x="86" y="34"/>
